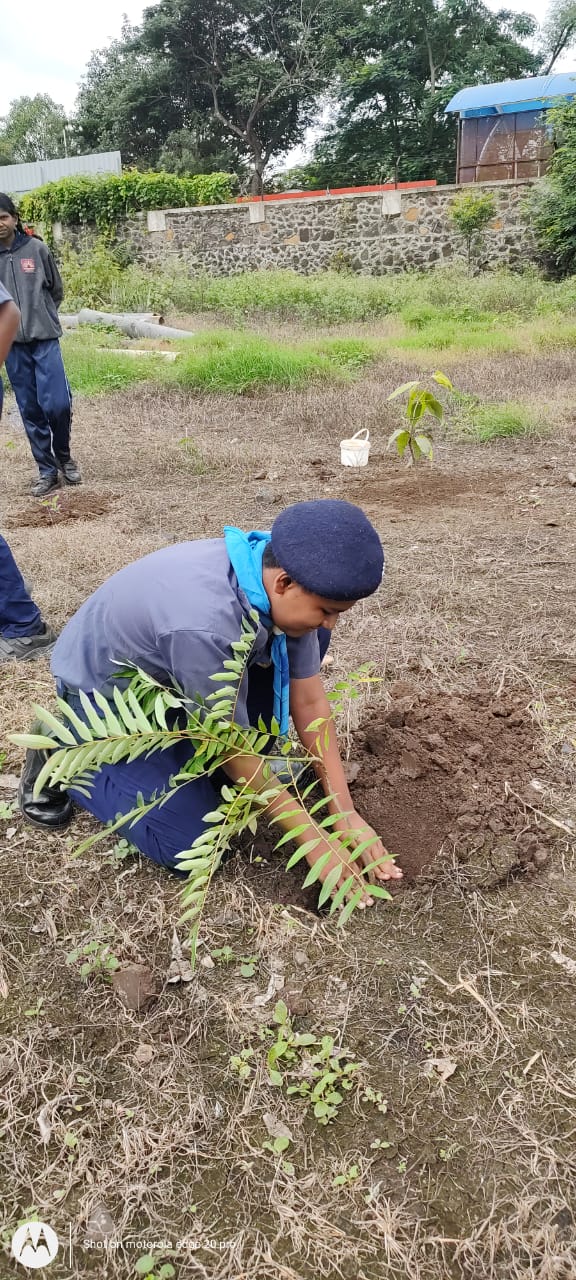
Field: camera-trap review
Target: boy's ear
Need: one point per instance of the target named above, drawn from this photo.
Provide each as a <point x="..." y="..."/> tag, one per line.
<point x="281" y="582"/>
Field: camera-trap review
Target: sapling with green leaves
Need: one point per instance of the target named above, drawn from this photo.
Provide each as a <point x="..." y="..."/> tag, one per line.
<point x="421" y="404"/>
<point x="145" y="717"/>
<point x="471" y="212"/>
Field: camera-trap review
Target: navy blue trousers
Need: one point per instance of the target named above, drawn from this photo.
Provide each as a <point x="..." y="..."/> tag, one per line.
<point x="19" y="616"/>
<point x="168" y="829"/>
<point x="39" y="382"/>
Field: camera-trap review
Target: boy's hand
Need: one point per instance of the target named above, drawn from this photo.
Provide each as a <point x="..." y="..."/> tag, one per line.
<point x="357" y="827"/>
<point x="339" y="858"/>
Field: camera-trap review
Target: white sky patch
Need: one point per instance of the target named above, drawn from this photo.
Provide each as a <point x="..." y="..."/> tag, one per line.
<point x="48" y="52"/>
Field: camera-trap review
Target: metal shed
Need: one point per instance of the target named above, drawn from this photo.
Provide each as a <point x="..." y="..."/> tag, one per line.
<point x="502" y="129"/>
<point x="18" y="179"/>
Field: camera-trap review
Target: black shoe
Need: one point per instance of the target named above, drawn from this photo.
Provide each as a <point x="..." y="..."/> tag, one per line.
<point x="71" y="471"/>
<point x="45" y="485"/>
<point x="53" y="808"/>
<point x="24" y="648"/>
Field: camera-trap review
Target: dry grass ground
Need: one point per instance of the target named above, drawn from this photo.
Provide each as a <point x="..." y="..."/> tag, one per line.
<point x="140" y="1112"/>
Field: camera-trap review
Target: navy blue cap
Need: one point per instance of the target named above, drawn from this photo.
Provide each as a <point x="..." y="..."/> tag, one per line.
<point x="330" y="548"/>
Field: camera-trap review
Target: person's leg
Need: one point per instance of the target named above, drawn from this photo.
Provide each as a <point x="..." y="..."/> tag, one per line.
<point x="19" y="615"/>
<point x="55" y="398"/>
<point x="167" y="829"/>
<point x="21" y="370"/>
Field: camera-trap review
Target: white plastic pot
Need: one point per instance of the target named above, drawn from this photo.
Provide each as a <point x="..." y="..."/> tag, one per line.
<point x="355" y="451"/>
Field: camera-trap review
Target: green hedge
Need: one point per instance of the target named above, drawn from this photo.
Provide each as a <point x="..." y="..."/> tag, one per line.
<point x="104" y="199"/>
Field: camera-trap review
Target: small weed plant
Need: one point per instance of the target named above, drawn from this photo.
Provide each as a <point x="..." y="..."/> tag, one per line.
<point x="416" y="435"/>
<point x="145" y="717"/>
<point x="500" y="420"/>
<point x="120" y="851"/>
<point x="150" y="1266"/>
<point x="347" y="1178"/>
<point x="306" y="1066"/>
<point x="95" y="959"/>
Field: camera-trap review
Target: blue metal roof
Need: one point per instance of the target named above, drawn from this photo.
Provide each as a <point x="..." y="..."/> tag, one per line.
<point x="529" y="94"/>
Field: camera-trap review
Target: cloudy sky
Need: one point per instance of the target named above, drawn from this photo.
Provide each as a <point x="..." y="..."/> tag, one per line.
<point x="48" y="51"/>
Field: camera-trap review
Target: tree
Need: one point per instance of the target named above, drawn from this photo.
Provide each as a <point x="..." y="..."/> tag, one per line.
<point x="195" y="150"/>
<point x="125" y="102"/>
<point x="552" y="206"/>
<point x="414" y="54"/>
<point x="35" y="129"/>
<point x="558" y="32"/>
<point x="251" y="70"/>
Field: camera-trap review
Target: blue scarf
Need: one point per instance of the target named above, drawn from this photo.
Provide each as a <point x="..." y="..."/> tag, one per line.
<point x="246" y="551"/>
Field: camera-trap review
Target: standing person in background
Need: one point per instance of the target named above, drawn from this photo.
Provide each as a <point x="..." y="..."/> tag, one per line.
<point x="23" y="634"/>
<point x="34" y="364"/>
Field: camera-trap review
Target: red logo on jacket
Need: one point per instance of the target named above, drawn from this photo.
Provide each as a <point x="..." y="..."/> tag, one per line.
<point x="28" y="264"/>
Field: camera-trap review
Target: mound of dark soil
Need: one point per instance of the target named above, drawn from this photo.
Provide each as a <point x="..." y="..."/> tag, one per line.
<point x="63" y="505"/>
<point x="433" y="772"/>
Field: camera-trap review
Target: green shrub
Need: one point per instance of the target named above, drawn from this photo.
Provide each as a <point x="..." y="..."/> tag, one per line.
<point x="470" y="212"/>
<point x="103" y="200"/>
<point x="551" y="207"/>
<point x="94" y="277"/>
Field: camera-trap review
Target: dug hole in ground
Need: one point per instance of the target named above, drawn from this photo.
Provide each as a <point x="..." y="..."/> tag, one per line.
<point x="455" y="999"/>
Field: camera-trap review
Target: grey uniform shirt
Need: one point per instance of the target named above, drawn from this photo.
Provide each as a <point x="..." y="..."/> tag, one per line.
<point x="174" y="613"/>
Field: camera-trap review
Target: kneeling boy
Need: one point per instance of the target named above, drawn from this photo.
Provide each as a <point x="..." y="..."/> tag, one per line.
<point x="176" y="614"/>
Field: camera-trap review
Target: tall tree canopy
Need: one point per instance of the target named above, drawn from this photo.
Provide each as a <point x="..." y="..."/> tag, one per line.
<point x="415" y="54"/>
<point x="203" y="83"/>
<point x="34" y="130"/>
<point x="558" y="33"/>
<point x="253" y="69"/>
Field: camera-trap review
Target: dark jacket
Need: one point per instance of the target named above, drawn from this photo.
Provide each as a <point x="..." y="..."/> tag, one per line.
<point x="29" y="273"/>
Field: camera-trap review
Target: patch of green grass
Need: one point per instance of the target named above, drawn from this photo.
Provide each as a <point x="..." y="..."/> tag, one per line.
<point x="458" y="337"/>
<point x="225" y="360"/>
<point x="239" y="362"/>
<point x="91" y="371"/>
<point x="556" y="335"/>
<point x="494" y="421"/>
<point x="351" y="353"/>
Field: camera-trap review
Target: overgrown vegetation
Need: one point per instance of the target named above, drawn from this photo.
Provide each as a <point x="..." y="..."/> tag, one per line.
<point x="471" y="212"/>
<point x="553" y="204"/>
<point x="100" y="276"/>
<point x="223" y="360"/>
<point x="102" y="200"/>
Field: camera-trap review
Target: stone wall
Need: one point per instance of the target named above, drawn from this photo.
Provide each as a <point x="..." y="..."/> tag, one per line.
<point x="369" y="233"/>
